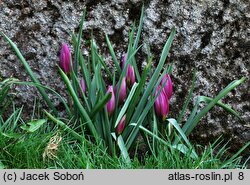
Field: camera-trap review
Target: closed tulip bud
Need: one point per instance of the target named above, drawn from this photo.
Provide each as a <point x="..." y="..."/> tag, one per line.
<point x="83" y="86"/>
<point x="168" y="88"/>
<point x="161" y="105"/>
<point x="130" y="75"/>
<point x="121" y="125"/>
<point x="122" y="94"/>
<point x="65" y="58"/>
<point x="111" y="103"/>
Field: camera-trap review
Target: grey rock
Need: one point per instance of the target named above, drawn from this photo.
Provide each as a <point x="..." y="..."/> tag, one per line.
<point x="212" y="36"/>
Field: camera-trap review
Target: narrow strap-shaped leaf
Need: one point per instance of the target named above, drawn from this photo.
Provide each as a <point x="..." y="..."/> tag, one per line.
<point x="124" y="151"/>
<point x="4" y="90"/>
<point x="235" y="155"/>
<point x="222" y="105"/>
<point x="64" y="126"/>
<point x="155" y="76"/>
<point x="30" y="72"/>
<point x="13" y="119"/>
<point x="111" y="50"/>
<point x="188" y="99"/>
<point x="92" y="91"/>
<point x="136" y="43"/>
<point x="93" y="51"/>
<point x="123" y="73"/>
<point x="107" y="131"/>
<point x="170" y="68"/>
<point x="49" y="89"/>
<point x="132" y="134"/>
<point x="104" y="65"/>
<point x="80" y="89"/>
<point x="155" y="132"/>
<point x="139" y="90"/>
<point x="151" y="134"/>
<point x="181" y="147"/>
<point x="85" y="71"/>
<point x="100" y="104"/>
<point x="131" y="50"/>
<point x="78" y="43"/>
<point x="180" y="131"/>
<point x="78" y="104"/>
<point x="178" y="128"/>
<point x="223" y="93"/>
<point x="126" y="104"/>
<point x="139" y="29"/>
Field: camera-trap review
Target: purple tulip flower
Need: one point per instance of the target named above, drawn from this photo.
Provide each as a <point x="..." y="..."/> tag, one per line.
<point x="161" y="105"/>
<point x="123" y="89"/>
<point x="168" y="88"/>
<point x="111" y="103"/>
<point x="121" y="125"/>
<point x="65" y="58"/>
<point x="130" y="75"/>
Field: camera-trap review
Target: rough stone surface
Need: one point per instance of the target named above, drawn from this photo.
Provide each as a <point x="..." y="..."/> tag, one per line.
<point x="212" y="36"/>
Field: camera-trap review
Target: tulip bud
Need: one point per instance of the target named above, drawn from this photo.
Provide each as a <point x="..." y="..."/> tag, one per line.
<point x="161" y="104"/>
<point x="111" y="103"/>
<point x="83" y="86"/>
<point x="130" y="75"/>
<point x="65" y="58"/>
<point x="121" y="125"/>
<point x="122" y="93"/>
<point x="168" y="88"/>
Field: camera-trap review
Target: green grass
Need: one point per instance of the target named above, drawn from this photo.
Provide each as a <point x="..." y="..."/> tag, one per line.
<point x="22" y="149"/>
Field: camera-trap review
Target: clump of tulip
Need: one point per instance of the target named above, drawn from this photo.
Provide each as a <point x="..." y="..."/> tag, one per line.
<point x="119" y="92"/>
<point x="161" y="103"/>
<point x="107" y="112"/>
<point x="65" y="58"/>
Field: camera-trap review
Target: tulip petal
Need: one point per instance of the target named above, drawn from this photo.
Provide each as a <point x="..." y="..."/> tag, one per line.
<point x="168" y="88"/>
<point x="130" y="75"/>
<point x="123" y="90"/>
<point x="161" y="104"/>
<point x="121" y="125"/>
<point x="65" y="58"/>
<point x="111" y="103"/>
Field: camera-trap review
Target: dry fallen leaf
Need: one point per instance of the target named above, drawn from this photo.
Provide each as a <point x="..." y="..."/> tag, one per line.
<point x="52" y="147"/>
